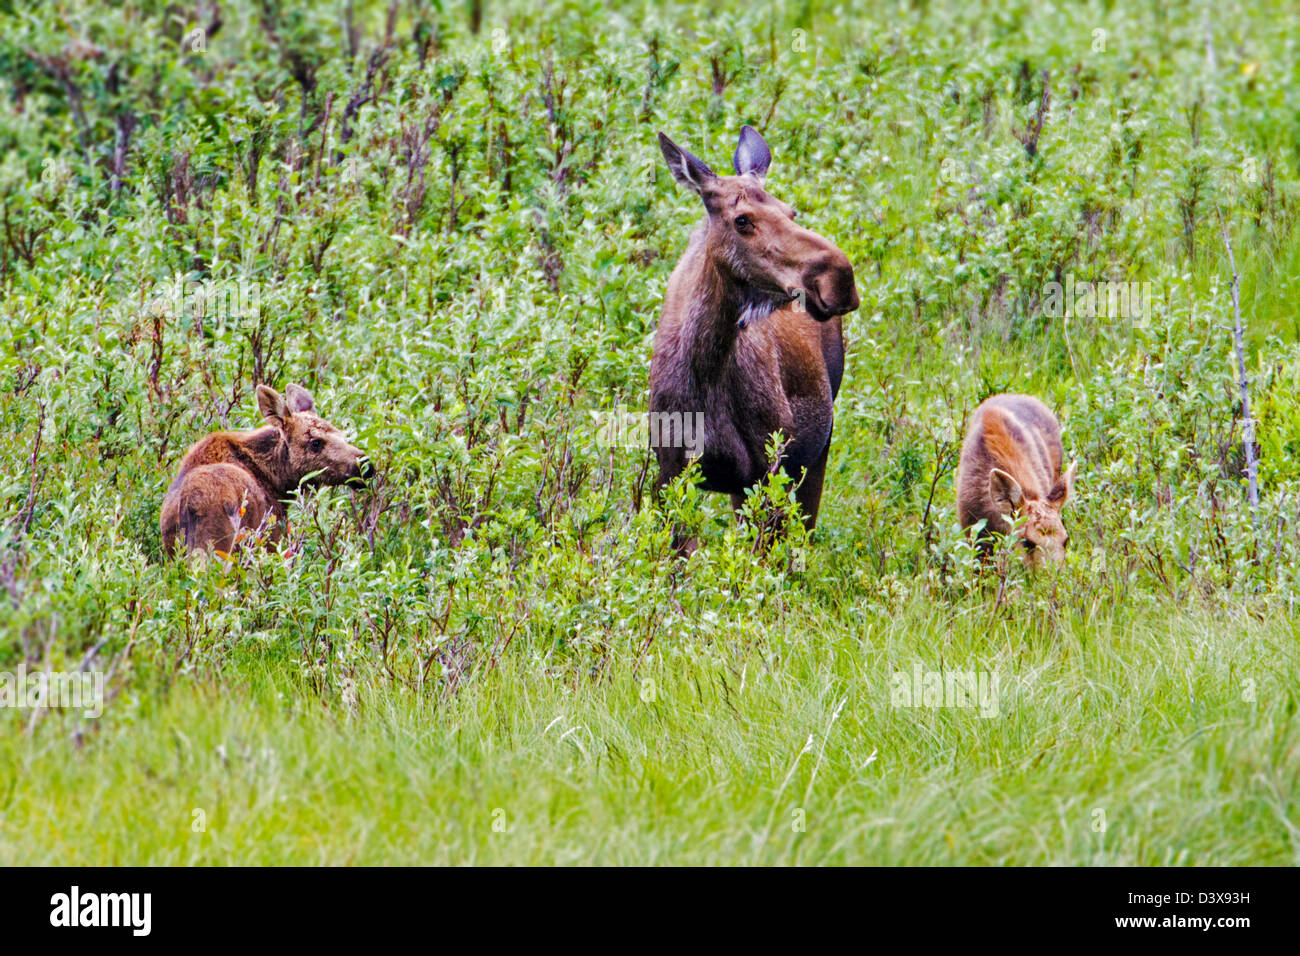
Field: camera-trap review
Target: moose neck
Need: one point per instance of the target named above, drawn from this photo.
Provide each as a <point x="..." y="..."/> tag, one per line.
<point x="265" y="455"/>
<point x="721" y="305"/>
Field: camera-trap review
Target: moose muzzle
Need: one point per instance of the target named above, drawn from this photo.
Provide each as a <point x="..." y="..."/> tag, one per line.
<point x="829" y="287"/>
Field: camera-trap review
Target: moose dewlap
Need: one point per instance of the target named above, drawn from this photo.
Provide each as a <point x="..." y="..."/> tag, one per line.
<point x="1010" y="468"/>
<point x="233" y="485"/>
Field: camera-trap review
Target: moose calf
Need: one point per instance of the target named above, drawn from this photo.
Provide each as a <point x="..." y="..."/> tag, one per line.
<point x="1011" y="466"/>
<point x="232" y="482"/>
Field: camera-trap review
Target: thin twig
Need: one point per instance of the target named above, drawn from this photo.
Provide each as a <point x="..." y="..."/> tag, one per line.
<point x="1238" y="333"/>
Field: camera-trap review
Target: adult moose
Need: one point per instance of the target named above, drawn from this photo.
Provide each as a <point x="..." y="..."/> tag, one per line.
<point x="750" y="336"/>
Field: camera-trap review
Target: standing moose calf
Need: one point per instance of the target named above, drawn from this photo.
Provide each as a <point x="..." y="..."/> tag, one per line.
<point x="750" y="338"/>
<point x="232" y="482"/>
<point x="1011" y="466"/>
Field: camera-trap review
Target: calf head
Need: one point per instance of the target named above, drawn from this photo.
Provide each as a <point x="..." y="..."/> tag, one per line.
<point x="316" y="448"/>
<point x="1043" y="533"/>
<point x="753" y="237"/>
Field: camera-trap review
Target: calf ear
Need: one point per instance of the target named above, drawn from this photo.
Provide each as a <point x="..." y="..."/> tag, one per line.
<point x="688" y="170"/>
<point x="1063" y="490"/>
<point x="299" y="399"/>
<point x="271" y="404"/>
<point x="1005" y="490"/>
<point x="753" y="156"/>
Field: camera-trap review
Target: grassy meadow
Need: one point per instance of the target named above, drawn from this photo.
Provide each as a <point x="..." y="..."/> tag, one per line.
<point x="451" y="222"/>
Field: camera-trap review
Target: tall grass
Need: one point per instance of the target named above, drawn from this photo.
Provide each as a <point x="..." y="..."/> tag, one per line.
<point x="1161" y="740"/>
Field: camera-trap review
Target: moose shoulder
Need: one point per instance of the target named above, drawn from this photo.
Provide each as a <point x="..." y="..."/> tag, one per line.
<point x="1011" y="467"/>
<point x="750" y="336"/>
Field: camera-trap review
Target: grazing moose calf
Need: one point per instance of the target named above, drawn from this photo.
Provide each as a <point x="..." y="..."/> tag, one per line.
<point x="750" y="337"/>
<point x="233" y="481"/>
<point x="1010" y="466"/>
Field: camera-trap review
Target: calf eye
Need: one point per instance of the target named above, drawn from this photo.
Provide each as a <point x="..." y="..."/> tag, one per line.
<point x="744" y="224"/>
<point x="317" y="444"/>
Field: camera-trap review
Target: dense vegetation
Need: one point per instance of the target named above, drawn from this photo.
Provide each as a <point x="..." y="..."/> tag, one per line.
<point x="451" y="222"/>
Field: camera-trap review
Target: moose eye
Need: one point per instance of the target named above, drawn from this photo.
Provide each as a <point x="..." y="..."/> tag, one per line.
<point x="744" y="224"/>
<point x="317" y="444"/>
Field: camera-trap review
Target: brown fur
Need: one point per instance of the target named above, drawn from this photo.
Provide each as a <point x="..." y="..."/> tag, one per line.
<point x="732" y="343"/>
<point x="1011" y="465"/>
<point x="232" y="484"/>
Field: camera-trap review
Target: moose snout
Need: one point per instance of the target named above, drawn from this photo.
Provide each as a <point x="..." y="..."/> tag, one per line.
<point x="830" y="286"/>
<point x="362" y="469"/>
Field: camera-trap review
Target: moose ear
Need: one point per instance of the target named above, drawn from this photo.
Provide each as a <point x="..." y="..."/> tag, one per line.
<point x="299" y="399"/>
<point x="1005" y="490"/>
<point x="753" y="157"/>
<point x="271" y="404"/>
<point x="1063" y="490"/>
<point x="688" y="170"/>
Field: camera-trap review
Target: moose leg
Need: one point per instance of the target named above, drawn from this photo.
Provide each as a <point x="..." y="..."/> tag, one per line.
<point x="809" y="492"/>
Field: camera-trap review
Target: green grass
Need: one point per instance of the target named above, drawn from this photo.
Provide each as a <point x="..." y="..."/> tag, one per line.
<point x="794" y="757"/>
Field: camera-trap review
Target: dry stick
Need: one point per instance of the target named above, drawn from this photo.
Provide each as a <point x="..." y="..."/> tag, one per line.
<point x="47" y="666"/>
<point x="1248" y="423"/>
<point x="942" y="454"/>
<point x="35" y="477"/>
